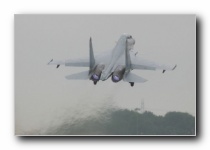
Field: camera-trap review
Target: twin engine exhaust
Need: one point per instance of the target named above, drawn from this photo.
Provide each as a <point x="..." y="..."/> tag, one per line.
<point x="117" y="75"/>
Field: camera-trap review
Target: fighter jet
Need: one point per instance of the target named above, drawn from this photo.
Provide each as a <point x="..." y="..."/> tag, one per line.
<point x="117" y="64"/>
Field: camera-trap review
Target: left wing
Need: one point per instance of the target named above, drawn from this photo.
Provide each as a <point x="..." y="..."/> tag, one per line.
<point x="78" y="62"/>
<point x="58" y="63"/>
<point x="82" y="62"/>
<point x="71" y="62"/>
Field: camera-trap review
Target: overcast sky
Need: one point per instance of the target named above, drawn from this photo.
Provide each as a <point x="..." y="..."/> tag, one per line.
<point x="42" y="94"/>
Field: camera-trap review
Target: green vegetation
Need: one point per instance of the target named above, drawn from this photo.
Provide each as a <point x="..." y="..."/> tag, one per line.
<point x="126" y="122"/>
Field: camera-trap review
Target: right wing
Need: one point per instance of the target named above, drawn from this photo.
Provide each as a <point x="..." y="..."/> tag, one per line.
<point x="138" y="63"/>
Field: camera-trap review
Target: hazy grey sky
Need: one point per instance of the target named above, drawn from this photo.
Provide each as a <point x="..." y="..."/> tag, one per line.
<point x="42" y="94"/>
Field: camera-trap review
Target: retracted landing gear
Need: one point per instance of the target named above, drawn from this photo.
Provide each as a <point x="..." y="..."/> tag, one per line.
<point x="131" y="83"/>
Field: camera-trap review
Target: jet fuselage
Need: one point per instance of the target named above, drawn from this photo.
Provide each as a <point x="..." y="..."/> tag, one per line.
<point x="118" y="55"/>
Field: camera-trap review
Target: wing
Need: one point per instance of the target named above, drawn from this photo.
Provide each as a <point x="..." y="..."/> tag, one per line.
<point x="78" y="62"/>
<point x="138" y="63"/>
<point x="83" y="62"/>
<point x="71" y="62"/>
<point x="56" y="62"/>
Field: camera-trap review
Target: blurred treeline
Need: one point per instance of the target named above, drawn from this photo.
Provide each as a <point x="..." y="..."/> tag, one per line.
<point x="130" y="122"/>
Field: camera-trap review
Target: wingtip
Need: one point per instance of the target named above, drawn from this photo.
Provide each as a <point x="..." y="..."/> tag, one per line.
<point x="50" y="61"/>
<point x="174" y="67"/>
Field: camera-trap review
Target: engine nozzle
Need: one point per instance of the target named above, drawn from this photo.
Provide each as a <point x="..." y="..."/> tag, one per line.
<point x="96" y="73"/>
<point x="95" y="77"/>
<point x="118" y="73"/>
<point x="115" y="78"/>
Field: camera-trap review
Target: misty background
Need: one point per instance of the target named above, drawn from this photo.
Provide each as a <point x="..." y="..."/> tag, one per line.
<point x="45" y="99"/>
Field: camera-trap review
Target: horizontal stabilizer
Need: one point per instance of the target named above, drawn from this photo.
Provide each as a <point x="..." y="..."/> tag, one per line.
<point x="130" y="77"/>
<point x="79" y="76"/>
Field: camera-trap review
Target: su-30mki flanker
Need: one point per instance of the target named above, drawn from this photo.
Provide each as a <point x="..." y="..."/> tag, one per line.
<point x="116" y="64"/>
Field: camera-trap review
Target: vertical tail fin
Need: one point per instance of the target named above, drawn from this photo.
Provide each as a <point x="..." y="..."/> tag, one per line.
<point x="127" y="58"/>
<point x="92" y="59"/>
